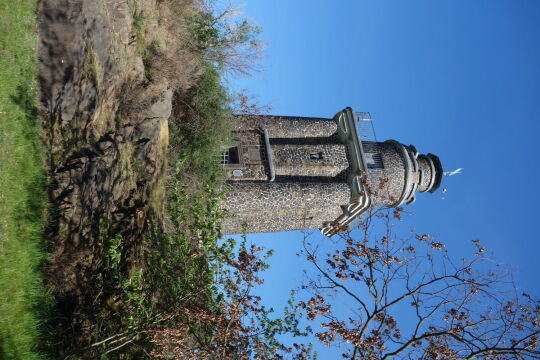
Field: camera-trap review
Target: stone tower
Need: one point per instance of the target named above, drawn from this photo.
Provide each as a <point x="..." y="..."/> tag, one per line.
<point x="288" y="173"/>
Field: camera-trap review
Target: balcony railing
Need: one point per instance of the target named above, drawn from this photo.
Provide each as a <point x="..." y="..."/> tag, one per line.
<point x="366" y="132"/>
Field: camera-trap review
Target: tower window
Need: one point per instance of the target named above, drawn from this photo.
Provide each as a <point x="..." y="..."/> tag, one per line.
<point x="316" y="156"/>
<point x="374" y="161"/>
<point x="230" y="156"/>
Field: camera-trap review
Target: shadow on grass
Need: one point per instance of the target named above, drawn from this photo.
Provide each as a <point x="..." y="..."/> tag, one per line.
<point x="35" y="185"/>
<point x="25" y="98"/>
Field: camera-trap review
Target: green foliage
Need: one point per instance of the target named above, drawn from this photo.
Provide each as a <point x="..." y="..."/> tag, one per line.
<point x="237" y="270"/>
<point x="177" y="261"/>
<point x="201" y="125"/>
<point x="126" y="298"/>
<point x="138" y="22"/>
<point x="204" y="125"/>
<point x="186" y="266"/>
<point x="219" y="276"/>
<point x="173" y="272"/>
<point x="190" y="287"/>
<point x="139" y="28"/>
<point x="112" y="253"/>
<point x="22" y="295"/>
<point x="203" y="30"/>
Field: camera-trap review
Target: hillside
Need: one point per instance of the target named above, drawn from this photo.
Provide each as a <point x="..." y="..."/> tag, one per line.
<point x="115" y="114"/>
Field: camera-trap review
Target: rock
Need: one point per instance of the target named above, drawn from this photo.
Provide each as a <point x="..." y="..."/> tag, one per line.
<point x="105" y="162"/>
<point x="162" y="108"/>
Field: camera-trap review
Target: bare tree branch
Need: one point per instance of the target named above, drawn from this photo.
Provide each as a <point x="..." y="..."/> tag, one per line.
<point x="416" y="301"/>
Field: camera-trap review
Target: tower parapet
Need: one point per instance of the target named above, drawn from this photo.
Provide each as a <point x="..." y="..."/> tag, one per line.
<point x="289" y="173"/>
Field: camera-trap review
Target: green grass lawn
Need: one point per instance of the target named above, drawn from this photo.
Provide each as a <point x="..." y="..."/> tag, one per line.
<point x="22" y="196"/>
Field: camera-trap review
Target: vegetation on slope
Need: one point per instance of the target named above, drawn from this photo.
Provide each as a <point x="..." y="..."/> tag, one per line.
<point x="22" y="197"/>
<point x="178" y="289"/>
<point x="186" y="294"/>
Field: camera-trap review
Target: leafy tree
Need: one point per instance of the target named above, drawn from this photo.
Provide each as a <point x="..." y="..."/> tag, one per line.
<point x="410" y="300"/>
<point x="233" y="324"/>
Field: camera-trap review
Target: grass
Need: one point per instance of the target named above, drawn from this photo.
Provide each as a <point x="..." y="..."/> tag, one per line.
<point x="92" y="69"/>
<point x="21" y="184"/>
<point x="140" y="30"/>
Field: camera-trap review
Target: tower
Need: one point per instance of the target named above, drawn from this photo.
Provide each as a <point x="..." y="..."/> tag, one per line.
<point x="290" y="173"/>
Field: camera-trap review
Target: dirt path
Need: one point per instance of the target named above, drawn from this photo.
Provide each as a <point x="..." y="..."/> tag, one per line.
<point x="107" y="133"/>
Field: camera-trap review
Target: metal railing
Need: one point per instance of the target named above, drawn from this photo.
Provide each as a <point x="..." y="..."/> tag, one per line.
<point x="366" y="131"/>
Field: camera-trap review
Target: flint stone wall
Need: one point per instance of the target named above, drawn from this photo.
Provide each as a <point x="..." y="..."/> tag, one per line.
<point x="288" y="126"/>
<point x="423" y="163"/>
<point x="387" y="184"/>
<point x="275" y="206"/>
<point x="295" y="160"/>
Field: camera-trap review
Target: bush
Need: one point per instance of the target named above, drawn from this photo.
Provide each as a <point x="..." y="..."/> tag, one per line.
<point x="201" y="123"/>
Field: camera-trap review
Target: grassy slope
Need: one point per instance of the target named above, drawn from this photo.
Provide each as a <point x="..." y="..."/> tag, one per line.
<point x="21" y="183"/>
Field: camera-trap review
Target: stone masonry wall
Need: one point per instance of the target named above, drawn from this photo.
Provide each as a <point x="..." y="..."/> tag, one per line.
<point x="288" y="126"/>
<point x="295" y="160"/>
<point x="423" y="163"/>
<point x="310" y="167"/>
<point x="274" y="206"/>
<point x="386" y="185"/>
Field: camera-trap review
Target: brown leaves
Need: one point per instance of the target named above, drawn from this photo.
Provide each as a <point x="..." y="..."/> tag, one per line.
<point x="387" y="320"/>
<point x="436" y="245"/>
<point x="180" y="341"/>
<point x="316" y="307"/>
<point x="458" y="315"/>
<point x="383" y="182"/>
<point x="423" y="237"/>
<point x="397" y="213"/>
<point x="480" y="250"/>
<point x="229" y="326"/>
<point x="532" y="343"/>
<point x="410" y="249"/>
<point x="326" y="337"/>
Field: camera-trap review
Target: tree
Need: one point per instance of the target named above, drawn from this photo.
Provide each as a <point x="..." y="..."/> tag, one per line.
<point x="410" y="300"/>
<point x="233" y="323"/>
<point x="225" y="38"/>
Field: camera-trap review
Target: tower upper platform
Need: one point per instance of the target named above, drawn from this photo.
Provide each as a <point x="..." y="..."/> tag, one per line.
<point x="380" y="173"/>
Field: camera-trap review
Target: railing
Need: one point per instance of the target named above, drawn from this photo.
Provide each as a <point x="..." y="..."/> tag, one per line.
<point x="364" y="123"/>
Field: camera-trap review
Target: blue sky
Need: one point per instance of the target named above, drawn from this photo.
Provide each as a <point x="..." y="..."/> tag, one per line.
<point x="460" y="79"/>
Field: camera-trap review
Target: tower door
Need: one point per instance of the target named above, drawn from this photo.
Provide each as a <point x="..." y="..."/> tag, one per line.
<point x="247" y="159"/>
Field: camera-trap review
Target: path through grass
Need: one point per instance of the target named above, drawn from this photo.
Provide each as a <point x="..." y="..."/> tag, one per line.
<point x="21" y="183"/>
